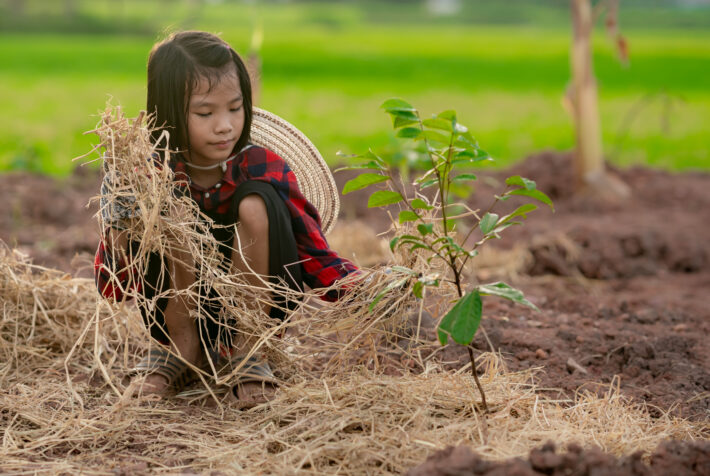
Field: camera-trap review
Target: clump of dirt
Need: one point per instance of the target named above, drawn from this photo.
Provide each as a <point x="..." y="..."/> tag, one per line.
<point x="670" y="457"/>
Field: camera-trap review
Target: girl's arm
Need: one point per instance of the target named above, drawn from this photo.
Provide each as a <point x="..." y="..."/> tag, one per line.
<point x="112" y="273"/>
<point x="321" y="266"/>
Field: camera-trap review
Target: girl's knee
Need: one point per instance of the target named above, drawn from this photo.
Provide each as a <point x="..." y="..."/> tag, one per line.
<point x="253" y="217"/>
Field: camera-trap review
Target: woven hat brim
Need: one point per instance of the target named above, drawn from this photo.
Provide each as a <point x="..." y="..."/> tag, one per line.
<point x="314" y="177"/>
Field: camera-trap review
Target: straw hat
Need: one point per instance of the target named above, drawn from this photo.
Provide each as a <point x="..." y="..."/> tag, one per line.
<point x="314" y="177"/>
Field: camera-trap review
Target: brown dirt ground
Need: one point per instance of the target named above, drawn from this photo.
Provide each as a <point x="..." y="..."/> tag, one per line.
<point x="671" y="457"/>
<point x="622" y="287"/>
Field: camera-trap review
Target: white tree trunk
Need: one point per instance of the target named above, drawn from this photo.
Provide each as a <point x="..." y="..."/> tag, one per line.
<point x="589" y="155"/>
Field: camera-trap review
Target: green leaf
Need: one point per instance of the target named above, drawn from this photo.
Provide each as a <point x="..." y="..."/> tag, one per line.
<point x="425" y="228"/>
<point x="367" y="165"/>
<point x="401" y="119"/>
<point x="448" y="245"/>
<point x="449" y="115"/>
<point x="403" y="240"/>
<point x="418" y="246"/>
<point x="466" y="154"/>
<point x="438" y="123"/>
<point x="418" y="203"/>
<point x="450" y="225"/>
<point x="441" y="239"/>
<point x="407" y="215"/>
<point x="517" y="180"/>
<point x="470" y="157"/>
<point x="503" y="290"/>
<point x="397" y="104"/>
<point x="362" y="181"/>
<point x="462" y="321"/>
<point x="384" y="197"/>
<point x="417" y="289"/>
<point x="464" y="177"/>
<point x="522" y="210"/>
<point x="371" y="155"/>
<point x="434" y="136"/>
<point x="505" y="225"/>
<point x="410" y="237"/>
<point x="483" y="155"/>
<point x="488" y="222"/>
<point x="409" y="132"/>
<point x="536" y="194"/>
<point x="429" y="183"/>
<point x="466" y="141"/>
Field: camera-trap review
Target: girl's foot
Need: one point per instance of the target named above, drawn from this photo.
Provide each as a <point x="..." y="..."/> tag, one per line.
<point x="154" y="384"/>
<point x="255" y="384"/>
<point x="252" y="394"/>
<point x="162" y="371"/>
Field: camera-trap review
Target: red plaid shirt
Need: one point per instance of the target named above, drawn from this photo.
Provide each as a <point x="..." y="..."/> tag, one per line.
<point x="321" y="266"/>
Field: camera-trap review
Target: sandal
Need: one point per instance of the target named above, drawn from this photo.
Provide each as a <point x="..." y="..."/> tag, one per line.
<point x="252" y="371"/>
<point x="162" y="362"/>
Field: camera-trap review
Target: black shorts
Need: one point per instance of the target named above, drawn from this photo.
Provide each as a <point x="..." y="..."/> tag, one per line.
<point x="283" y="267"/>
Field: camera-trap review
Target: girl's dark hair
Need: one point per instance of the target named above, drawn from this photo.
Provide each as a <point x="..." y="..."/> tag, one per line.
<point x="175" y="67"/>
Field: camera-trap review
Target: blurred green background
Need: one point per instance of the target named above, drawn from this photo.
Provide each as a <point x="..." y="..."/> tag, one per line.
<point x="328" y="65"/>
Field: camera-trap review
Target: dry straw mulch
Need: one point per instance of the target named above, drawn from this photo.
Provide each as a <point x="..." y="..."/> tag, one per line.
<point x="349" y="403"/>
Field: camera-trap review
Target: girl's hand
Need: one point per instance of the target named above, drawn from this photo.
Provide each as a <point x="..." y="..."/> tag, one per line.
<point x="117" y="209"/>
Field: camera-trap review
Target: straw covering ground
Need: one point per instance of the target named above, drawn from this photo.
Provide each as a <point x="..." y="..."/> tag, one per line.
<point x="361" y="393"/>
<point x="59" y="414"/>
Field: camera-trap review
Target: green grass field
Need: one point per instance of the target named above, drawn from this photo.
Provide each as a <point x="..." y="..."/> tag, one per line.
<point x="326" y="68"/>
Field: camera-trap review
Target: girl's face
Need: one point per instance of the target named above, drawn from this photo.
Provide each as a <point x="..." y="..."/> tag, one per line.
<point x="215" y="119"/>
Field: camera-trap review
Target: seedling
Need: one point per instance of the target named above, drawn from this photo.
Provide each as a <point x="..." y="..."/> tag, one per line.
<point x="450" y="152"/>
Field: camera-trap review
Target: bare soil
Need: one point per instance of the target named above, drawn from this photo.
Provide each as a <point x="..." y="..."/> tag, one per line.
<point x="622" y="288"/>
<point x="671" y="457"/>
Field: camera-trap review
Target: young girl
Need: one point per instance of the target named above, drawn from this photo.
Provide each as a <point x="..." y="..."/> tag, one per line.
<point x="199" y="90"/>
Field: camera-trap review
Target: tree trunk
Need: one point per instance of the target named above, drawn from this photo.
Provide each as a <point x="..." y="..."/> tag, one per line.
<point x="589" y="157"/>
<point x="254" y="62"/>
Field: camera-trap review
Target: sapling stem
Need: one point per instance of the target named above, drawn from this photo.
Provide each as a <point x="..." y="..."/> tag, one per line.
<point x="470" y="350"/>
<point x="475" y="378"/>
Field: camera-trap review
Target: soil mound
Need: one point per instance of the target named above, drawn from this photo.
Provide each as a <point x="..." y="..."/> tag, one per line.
<point x="664" y="226"/>
<point x="670" y="457"/>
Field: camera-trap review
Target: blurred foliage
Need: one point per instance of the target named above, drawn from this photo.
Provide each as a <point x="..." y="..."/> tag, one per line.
<point x="326" y="65"/>
<point x="147" y="17"/>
